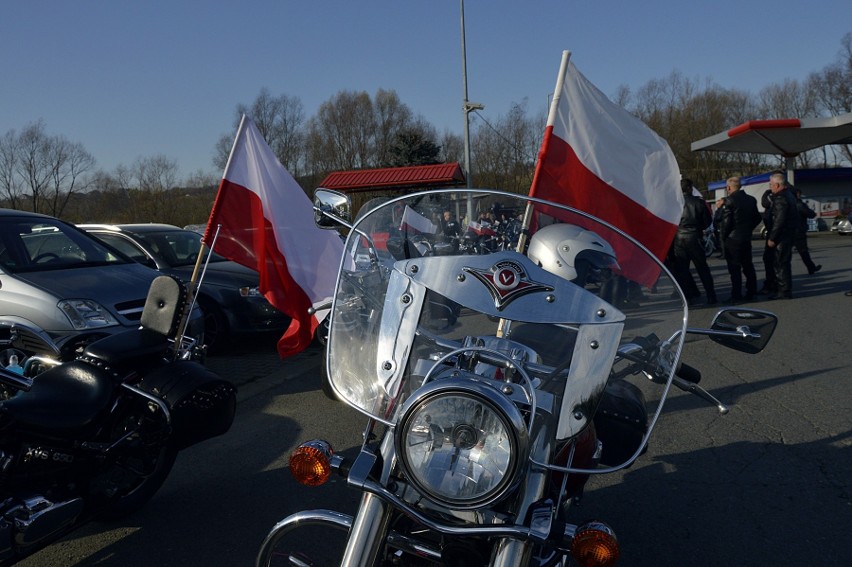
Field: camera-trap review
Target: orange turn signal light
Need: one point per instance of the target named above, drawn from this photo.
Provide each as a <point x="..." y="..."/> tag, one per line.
<point x="310" y="463"/>
<point x="595" y="545"/>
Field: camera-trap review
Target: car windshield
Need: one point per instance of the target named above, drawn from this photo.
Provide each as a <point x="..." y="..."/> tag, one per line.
<point x="40" y="244"/>
<point x="175" y="247"/>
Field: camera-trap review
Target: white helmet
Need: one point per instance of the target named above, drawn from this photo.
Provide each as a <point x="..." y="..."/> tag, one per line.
<point x="570" y="252"/>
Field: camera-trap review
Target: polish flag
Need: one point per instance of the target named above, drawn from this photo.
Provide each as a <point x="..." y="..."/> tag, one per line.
<point x="480" y="230"/>
<point x="414" y="221"/>
<point x="600" y="159"/>
<point x="266" y="222"/>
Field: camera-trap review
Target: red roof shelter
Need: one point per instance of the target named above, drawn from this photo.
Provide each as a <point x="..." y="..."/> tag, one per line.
<point x="416" y="177"/>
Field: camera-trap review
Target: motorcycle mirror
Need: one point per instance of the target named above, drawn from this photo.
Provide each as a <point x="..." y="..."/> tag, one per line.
<point x="332" y="209"/>
<point x="745" y="330"/>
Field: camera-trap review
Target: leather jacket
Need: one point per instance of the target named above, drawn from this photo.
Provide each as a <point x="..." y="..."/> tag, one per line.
<point x="695" y="217"/>
<point x="740" y="216"/>
<point x="805" y="213"/>
<point x="785" y="217"/>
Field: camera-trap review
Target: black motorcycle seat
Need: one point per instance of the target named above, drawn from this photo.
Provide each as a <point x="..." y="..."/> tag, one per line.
<point x="63" y="399"/>
<point x="129" y="350"/>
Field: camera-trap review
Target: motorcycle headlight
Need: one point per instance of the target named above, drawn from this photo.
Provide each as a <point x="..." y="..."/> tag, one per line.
<point x="461" y="443"/>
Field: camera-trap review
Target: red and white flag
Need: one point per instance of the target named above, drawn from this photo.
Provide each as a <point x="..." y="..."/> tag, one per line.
<point x="600" y="159"/>
<point x="480" y="230"/>
<point x="267" y="224"/>
<point x="414" y="221"/>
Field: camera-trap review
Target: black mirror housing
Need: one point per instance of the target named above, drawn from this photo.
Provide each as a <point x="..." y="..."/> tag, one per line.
<point x="745" y="330"/>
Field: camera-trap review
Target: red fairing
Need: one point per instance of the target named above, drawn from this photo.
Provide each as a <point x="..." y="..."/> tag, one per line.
<point x="584" y="445"/>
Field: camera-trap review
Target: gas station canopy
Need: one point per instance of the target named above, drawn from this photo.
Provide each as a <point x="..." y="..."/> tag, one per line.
<point x="788" y="137"/>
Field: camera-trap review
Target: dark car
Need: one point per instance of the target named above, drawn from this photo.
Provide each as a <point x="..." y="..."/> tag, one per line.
<point x="64" y="286"/>
<point x="228" y="296"/>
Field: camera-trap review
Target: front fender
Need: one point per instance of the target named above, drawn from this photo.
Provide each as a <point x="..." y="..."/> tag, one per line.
<point x="201" y="403"/>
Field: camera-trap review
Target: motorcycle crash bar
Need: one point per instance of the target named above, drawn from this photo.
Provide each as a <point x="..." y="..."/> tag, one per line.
<point x="592" y="544"/>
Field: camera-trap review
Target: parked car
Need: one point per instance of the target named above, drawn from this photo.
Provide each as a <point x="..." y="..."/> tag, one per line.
<point x="228" y="297"/>
<point x="64" y="286"/>
<point x="844" y="227"/>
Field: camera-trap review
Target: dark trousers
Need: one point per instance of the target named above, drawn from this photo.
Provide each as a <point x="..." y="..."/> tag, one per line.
<point x="769" y="268"/>
<point x="688" y="249"/>
<point x="783" y="267"/>
<point x="738" y="257"/>
<point x="801" y="244"/>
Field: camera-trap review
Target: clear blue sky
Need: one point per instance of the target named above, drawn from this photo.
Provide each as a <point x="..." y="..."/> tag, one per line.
<point x="137" y="79"/>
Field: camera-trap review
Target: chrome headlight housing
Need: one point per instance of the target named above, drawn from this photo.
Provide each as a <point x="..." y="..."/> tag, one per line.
<point x="461" y="442"/>
<point x="86" y="314"/>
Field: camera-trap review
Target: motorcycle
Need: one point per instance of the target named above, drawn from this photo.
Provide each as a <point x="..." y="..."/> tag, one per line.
<point x="96" y="437"/>
<point x="481" y="435"/>
<point x="708" y="241"/>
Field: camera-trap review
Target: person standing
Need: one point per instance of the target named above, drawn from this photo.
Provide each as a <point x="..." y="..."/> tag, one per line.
<point x="687" y="247"/>
<point x="718" y="215"/>
<point x="769" y="286"/>
<point x="740" y="218"/>
<point x="449" y="226"/>
<point x="782" y="234"/>
<point x="801" y="239"/>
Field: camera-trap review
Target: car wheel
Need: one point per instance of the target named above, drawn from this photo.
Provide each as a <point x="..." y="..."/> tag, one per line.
<point x="215" y="326"/>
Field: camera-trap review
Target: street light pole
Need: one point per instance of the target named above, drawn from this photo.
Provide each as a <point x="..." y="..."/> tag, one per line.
<point x="467" y="107"/>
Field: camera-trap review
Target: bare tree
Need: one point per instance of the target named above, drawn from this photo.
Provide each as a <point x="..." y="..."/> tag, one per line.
<point x="201" y="179"/>
<point x="391" y="119"/>
<point x="42" y="171"/>
<point x="503" y="153"/>
<point x="10" y="182"/>
<point x="452" y="147"/>
<point x="833" y="89"/>
<point x="280" y="120"/>
<point x="151" y="196"/>
<point x="342" y="134"/>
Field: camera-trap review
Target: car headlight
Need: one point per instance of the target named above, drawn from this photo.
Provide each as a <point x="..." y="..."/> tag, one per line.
<point x="86" y="314"/>
<point x="250" y="292"/>
<point x="461" y="443"/>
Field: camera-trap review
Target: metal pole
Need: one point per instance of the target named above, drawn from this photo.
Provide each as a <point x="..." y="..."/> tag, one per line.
<point x="466" y="110"/>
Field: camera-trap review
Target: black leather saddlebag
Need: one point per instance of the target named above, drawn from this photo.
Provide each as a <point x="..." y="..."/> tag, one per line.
<point x="201" y="403"/>
<point x="621" y="421"/>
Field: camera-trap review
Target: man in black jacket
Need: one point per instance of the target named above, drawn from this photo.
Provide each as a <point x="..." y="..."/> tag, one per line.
<point x="801" y="240"/>
<point x="785" y="219"/>
<point x="740" y="218"/>
<point x="769" y="286"/>
<point x="687" y="246"/>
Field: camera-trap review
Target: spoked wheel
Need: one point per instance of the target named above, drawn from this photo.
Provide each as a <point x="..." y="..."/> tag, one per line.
<point x="137" y="465"/>
<point x="215" y="326"/>
<point x="127" y="486"/>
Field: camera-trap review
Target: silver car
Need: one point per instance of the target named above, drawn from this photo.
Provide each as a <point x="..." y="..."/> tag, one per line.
<point x="65" y="286"/>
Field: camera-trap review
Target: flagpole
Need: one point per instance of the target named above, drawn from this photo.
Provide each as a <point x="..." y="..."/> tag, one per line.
<point x="551" y="119"/>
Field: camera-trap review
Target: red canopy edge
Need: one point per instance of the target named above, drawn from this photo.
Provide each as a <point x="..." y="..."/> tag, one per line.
<point x="764" y="125"/>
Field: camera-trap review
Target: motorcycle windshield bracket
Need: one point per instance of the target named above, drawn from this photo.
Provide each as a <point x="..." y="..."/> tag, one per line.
<point x="398" y="326"/>
<point x="594" y="352"/>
